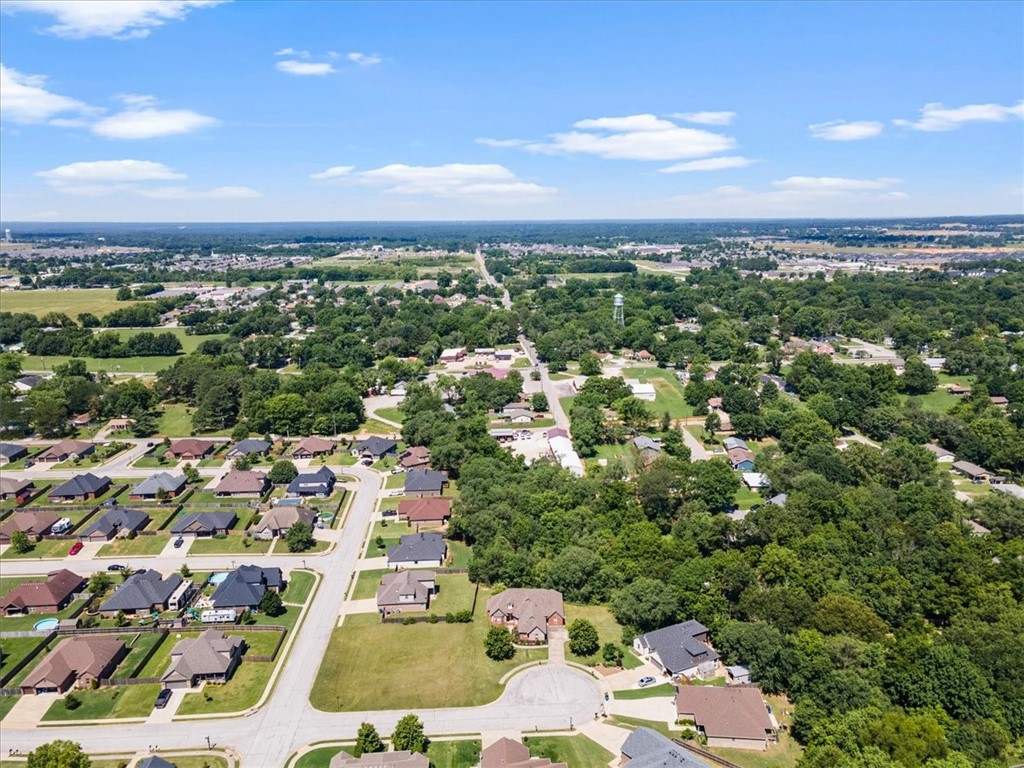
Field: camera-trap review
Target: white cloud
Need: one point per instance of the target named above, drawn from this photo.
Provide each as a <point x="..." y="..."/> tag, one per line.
<point x="364" y="59"/>
<point x="110" y="171"/>
<point x="705" y="118"/>
<point x="333" y="173"/>
<point x="105" y="177"/>
<point x="120" y="19"/>
<point x="305" y="68"/>
<point x="832" y="183"/>
<point x="842" y="130"/>
<point x="24" y="99"/>
<point x="286" y="52"/>
<point x="136" y="100"/>
<point x="150" y="123"/>
<point x="502" y="143"/>
<point x="481" y="183"/>
<point x="186" y="193"/>
<point x="709" y="164"/>
<point x="634" y="137"/>
<point x="936" y="117"/>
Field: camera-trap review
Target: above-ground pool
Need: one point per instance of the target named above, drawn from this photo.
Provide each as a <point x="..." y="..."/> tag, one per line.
<point x="46" y="624"/>
<point x="217" y="578"/>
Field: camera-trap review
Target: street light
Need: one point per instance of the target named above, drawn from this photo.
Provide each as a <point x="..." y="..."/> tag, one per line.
<point x="208" y="745"/>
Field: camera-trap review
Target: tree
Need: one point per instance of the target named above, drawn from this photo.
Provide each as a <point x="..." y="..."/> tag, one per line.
<point x="185" y="571"/>
<point x="299" y="537"/>
<point x="918" y="378"/>
<point x="58" y="754"/>
<point x="191" y="474"/>
<point x="21" y="543"/>
<point x="590" y="365"/>
<point x="409" y="734"/>
<point x="712" y="423"/>
<point x="282" y="472"/>
<point x="645" y="605"/>
<point x="583" y="640"/>
<point x="120" y="620"/>
<point x="674" y="445"/>
<point x="271" y="604"/>
<point x="240" y="432"/>
<point x="612" y="654"/>
<point x="368" y="740"/>
<point x="539" y="401"/>
<point x="99" y="583"/>
<point x="498" y="644"/>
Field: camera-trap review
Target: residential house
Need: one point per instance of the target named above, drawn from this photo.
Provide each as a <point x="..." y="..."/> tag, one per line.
<point x="65" y="450"/>
<point x="75" y="663"/>
<point x="115" y="522"/>
<point x="516" y="416"/>
<point x="24" y="384"/>
<point x="977" y="529"/>
<point x="240" y="483"/>
<point x="429" y="511"/>
<point x="999" y="401"/>
<point x="211" y="656"/>
<point x="375" y="448"/>
<point x="15" y="489"/>
<point x="11" y="452"/>
<point x="742" y="459"/>
<point x="248" y="447"/>
<point x="971" y="471"/>
<point x="731" y="443"/>
<point x="308" y="447"/>
<point x="147" y="592"/>
<point x="755" y="480"/>
<point x="150" y="488"/>
<point x="737" y="674"/>
<point x="778" y="500"/>
<point x="80" y="488"/>
<point x="120" y="425"/>
<point x="644" y="356"/>
<point x="204" y="523"/>
<point x="319" y="483"/>
<point x="405" y="591"/>
<point x="642" y="390"/>
<point x="424" y="482"/>
<point x="649" y="448"/>
<point x="941" y="454"/>
<point x="453" y="355"/>
<point x="644" y="748"/>
<point x="416" y="457"/>
<point x="32" y="523"/>
<point x="734" y="717"/>
<point x="244" y="587"/>
<point x="530" y="613"/>
<point x="81" y="420"/>
<point x="50" y="596"/>
<point x="934" y="363"/>
<point x="508" y="753"/>
<point x="155" y="761"/>
<point x="416" y="550"/>
<point x="679" y="649"/>
<point x="959" y="390"/>
<point x="403" y="759"/>
<point x="190" y="449"/>
<point x="276" y="522"/>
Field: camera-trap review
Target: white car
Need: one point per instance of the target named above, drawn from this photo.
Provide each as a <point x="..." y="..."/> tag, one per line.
<point x="397" y="470"/>
<point x="643" y="682"/>
<point x="398" y="492"/>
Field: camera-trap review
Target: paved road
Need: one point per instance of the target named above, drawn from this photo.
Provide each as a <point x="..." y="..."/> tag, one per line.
<point x="506" y="300"/>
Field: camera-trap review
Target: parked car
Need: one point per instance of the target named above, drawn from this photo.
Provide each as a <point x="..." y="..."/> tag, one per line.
<point x="115" y="567"/>
<point x="397" y="470"/>
<point x="366" y="462"/>
<point x="643" y="682"/>
<point x="162" y="698"/>
<point x="75" y="548"/>
<point x="178" y="542"/>
<point x="397" y="492"/>
<point x="389" y="512"/>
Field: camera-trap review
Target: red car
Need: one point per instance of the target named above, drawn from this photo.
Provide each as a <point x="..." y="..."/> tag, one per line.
<point x="75" y="548"/>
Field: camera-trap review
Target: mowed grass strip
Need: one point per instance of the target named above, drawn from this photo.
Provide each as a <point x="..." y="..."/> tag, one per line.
<point x="574" y="751"/>
<point x="99" y="301"/>
<point x="242" y="691"/>
<point x="113" y="702"/>
<point x="364" y="649"/>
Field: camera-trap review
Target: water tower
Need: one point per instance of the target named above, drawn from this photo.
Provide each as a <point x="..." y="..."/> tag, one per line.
<point x="7" y="236"/>
<point x="619" y="312"/>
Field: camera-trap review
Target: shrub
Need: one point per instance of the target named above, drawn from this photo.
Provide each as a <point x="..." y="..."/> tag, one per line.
<point x="71" y="702"/>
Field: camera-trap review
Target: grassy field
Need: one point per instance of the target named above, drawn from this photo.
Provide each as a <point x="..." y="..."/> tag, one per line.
<point x="364" y="649"/>
<point x="377" y="427"/>
<point x="608" y="631"/>
<point x="650" y="692"/>
<point x="117" y="701"/>
<point x="176" y="421"/>
<point x="454" y="754"/>
<point x="574" y="751"/>
<point x="140" y="546"/>
<point x="391" y="414"/>
<point x="746" y="498"/>
<point x="113" y="365"/>
<point x="99" y="301"/>
<point x="668" y="391"/>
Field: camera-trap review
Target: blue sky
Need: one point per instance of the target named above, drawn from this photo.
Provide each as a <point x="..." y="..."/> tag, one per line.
<point x="154" y="110"/>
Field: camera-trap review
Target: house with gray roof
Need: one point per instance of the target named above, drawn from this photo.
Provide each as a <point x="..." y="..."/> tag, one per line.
<point x="150" y="488"/>
<point x="734" y="442"/>
<point x="249" y="446"/>
<point x="154" y="761"/>
<point x="971" y="471"/>
<point x="418" y="550"/>
<point x="244" y="587"/>
<point x="375" y="448"/>
<point x="318" y="483"/>
<point x="649" y="448"/>
<point x="400" y="591"/>
<point x="645" y="748"/>
<point x="80" y="488"/>
<point x="115" y="522"/>
<point x="148" y="592"/>
<point x="211" y="656"/>
<point x="778" y="500"/>
<point x="12" y="452"/>
<point x="204" y="523"/>
<point x="424" y="482"/>
<point x="679" y="650"/>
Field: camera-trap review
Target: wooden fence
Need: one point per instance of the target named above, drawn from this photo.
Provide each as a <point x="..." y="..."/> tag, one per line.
<point x="703" y="754"/>
<point x="13" y="671"/>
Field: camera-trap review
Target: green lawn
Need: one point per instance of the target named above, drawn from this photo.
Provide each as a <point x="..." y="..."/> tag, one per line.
<point x="319" y="757"/>
<point x="112" y="365"/>
<point x="608" y="631"/>
<point x="140" y="546"/>
<point x="300" y="584"/>
<point x="7" y="704"/>
<point x="460" y="554"/>
<point x="339" y="459"/>
<point x="366" y="584"/>
<point x="41" y="549"/>
<point x="14" y="650"/>
<point x="454" y="593"/>
<point x="454" y="754"/>
<point x="99" y="301"/>
<point x="391" y="414"/>
<point x="377" y="427"/>
<point x="364" y="649"/>
<point x="138" y="646"/>
<point x="154" y="460"/>
<point x="395" y="482"/>
<point x="651" y="692"/>
<point x="242" y="691"/>
<point x="574" y="751"/>
<point x="176" y="421"/>
<point x="116" y="701"/>
<point x="25" y="623"/>
<point x="7" y="583"/>
<point x="668" y="391"/>
<point x="746" y="498"/>
<point x="229" y="545"/>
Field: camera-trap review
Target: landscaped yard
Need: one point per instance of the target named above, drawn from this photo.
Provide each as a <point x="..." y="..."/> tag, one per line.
<point x="300" y="584"/>
<point x="454" y="593"/>
<point x="228" y="545"/>
<point x="115" y="701"/>
<point x="668" y="391"/>
<point x="140" y="546"/>
<point x="574" y="751"/>
<point x="454" y="754"/>
<point x="7" y="704"/>
<point x="460" y="553"/>
<point x="608" y="631"/>
<point x="365" y="649"/>
<point x="41" y="549"/>
<point x="25" y="623"/>
<point x="16" y="649"/>
<point x="242" y="691"/>
<point x="650" y="692"/>
<point x="366" y="583"/>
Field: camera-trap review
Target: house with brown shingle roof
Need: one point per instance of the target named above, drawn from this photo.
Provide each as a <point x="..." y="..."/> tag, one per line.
<point x="416" y="457"/>
<point x="242" y="483"/>
<point x="507" y="753"/>
<point x="64" y="450"/>
<point x="189" y="449"/>
<point x="308" y="447"/>
<point x="211" y="656"/>
<point x="734" y="717"/>
<point x="50" y="596"/>
<point x="428" y="511"/>
<point x="400" y="591"/>
<point x="33" y="523"/>
<point x="75" y="663"/>
<point x="529" y="612"/>
<point x="402" y="759"/>
<point x="15" y="488"/>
